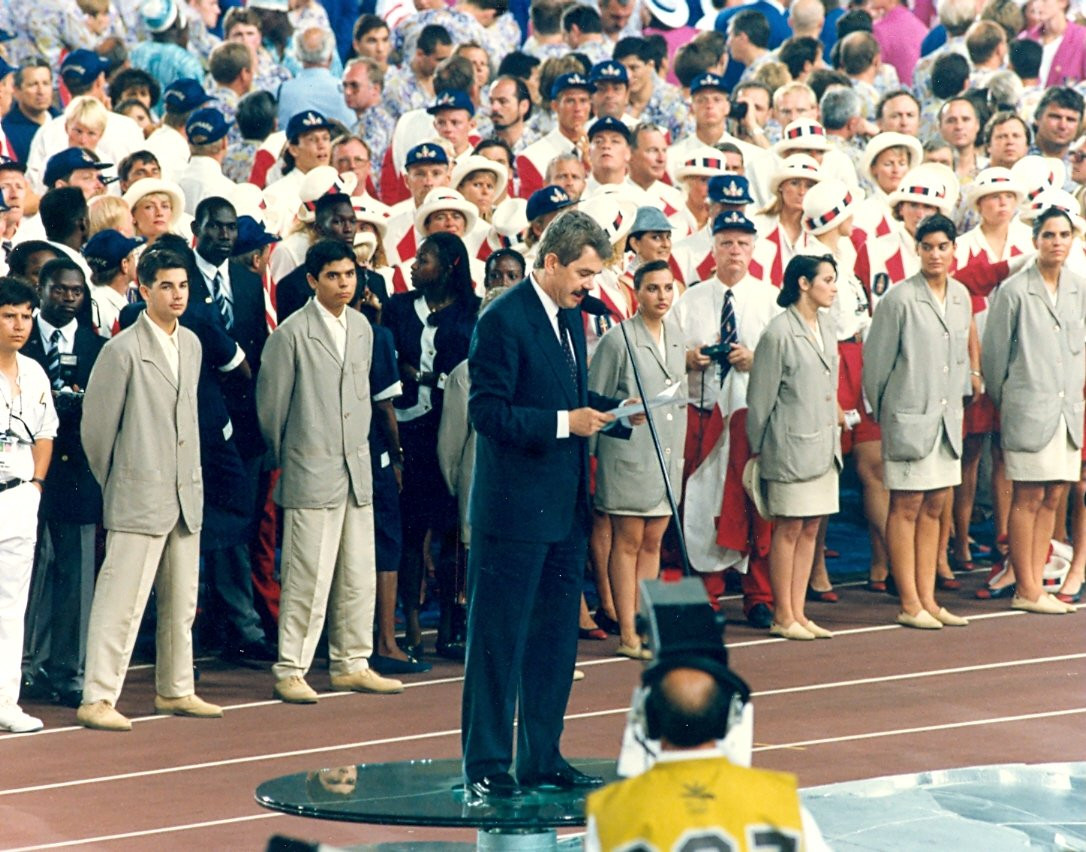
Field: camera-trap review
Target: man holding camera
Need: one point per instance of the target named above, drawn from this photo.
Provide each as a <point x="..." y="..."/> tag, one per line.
<point x="71" y="504"/>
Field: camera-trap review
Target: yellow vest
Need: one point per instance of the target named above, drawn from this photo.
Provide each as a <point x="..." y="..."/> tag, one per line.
<point x="699" y="805"/>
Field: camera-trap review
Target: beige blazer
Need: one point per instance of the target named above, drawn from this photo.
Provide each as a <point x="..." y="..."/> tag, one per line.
<point x="314" y="410"/>
<point x="792" y="399"/>
<point x="456" y="443"/>
<point x="1032" y="358"/>
<point x="141" y="435"/>
<point x="916" y="367"/>
<point x="628" y="473"/>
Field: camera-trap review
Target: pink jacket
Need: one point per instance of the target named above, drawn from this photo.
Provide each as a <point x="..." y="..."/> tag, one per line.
<point x="1069" y="63"/>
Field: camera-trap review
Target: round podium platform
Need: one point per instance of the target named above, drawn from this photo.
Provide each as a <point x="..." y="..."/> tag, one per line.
<point x="431" y="793"/>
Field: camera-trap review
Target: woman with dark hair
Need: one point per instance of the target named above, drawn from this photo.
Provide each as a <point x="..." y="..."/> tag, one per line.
<point x="432" y="326"/>
<point x="629" y="487"/>
<point x="792" y="424"/>
<point x="1034" y="371"/>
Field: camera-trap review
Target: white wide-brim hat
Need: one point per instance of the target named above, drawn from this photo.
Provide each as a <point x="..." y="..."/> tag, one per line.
<point x="508" y="224"/>
<point x="478" y="163"/>
<point x="319" y="182"/>
<point x="446" y="198"/>
<point x="612" y="212"/>
<point x="801" y="166"/>
<point x="803" y="134"/>
<point x="989" y="182"/>
<point x="1061" y="200"/>
<point x="701" y="162"/>
<point x="149" y="186"/>
<point x="1036" y="174"/>
<point x="929" y="183"/>
<point x="755" y="487"/>
<point x="671" y="13"/>
<point x="371" y="212"/>
<point x="827" y="204"/>
<point x="890" y="139"/>
<point x="248" y="200"/>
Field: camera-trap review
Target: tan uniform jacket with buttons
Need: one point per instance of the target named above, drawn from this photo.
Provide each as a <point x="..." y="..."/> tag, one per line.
<point x="792" y="399"/>
<point x="628" y="474"/>
<point x="1032" y="358"/>
<point x="141" y="435"/>
<point x="916" y="367"/>
<point x="314" y="410"/>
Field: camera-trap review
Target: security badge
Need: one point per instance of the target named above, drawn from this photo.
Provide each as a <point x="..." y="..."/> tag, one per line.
<point x="880" y="284"/>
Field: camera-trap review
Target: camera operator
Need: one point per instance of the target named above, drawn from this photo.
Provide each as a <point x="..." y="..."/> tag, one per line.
<point x="694" y="797"/>
<point x="64" y="343"/>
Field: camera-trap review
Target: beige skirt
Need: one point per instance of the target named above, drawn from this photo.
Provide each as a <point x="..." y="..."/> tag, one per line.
<point x="811" y="498"/>
<point x="938" y="469"/>
<point x="1057" y="461"/>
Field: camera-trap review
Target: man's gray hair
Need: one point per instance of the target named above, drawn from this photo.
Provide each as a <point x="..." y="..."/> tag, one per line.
<point x="569" y="235"/>
<point x="314" y="46"/>
<point x="838" y="105"/>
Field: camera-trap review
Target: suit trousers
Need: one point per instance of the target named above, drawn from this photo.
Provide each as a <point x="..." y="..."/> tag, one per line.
<point x="523" y="605"/>
<point x="60" y="601"/>
<point x="18" y="533"/>
<point x="134" y="563"/>
<point x="327" y="567"/>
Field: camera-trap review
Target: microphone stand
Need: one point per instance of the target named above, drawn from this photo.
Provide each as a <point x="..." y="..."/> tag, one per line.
<point x="659" y="452"/>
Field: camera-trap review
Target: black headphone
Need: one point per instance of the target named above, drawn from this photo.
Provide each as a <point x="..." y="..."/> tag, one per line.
<point x="726" y="679"/>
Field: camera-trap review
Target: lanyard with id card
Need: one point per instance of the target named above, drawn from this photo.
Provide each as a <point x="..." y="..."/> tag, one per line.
<point x="10" y="453"/>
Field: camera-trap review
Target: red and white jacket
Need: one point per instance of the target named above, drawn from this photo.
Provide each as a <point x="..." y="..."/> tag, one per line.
<point x="532" y="162"/>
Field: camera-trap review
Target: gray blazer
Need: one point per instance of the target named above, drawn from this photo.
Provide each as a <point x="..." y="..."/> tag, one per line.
<point x="916" y="367"/>
<point x="456" y="443"/>
<point x="1032" y="358"/>
<point x="628" y="473"/>
<point x="314" y="410"/>
<point x="141" y="435"/>
<point x="792" y="399"/>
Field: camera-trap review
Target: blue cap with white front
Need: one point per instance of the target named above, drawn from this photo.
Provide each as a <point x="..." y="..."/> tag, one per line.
<point x="608" y="71"/>
<point x="708" y="80"/>
<point x="60" y="166"/>
<point x="733" y="220"/>
<point x="82" y="67"/>
<point x="729" y="189"/>
<point x="451" y="99"/>
<point x="427" y="152"/>
<point x="571" y="81"/>
<point x="206" y="126"/>
<point x="547" y="200"/>
<point x="306" y="121"/>
<point x="184" y="95"/>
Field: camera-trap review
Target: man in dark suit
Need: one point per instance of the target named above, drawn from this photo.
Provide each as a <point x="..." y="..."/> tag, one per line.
<point x="530" y="515"/>
<point x="66" y="346"/>
<point x="234" y="294"/>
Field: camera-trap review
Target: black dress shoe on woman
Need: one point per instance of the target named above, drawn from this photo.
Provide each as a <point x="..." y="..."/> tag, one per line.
<point x="606" y="623"/>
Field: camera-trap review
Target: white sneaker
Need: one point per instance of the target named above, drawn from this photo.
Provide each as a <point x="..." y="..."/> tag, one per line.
<point x="13" y="719"/>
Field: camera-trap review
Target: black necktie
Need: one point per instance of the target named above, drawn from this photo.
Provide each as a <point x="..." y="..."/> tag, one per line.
<point x="728" y="332"/>
<point x="567" y="348"/>
<point x="52" y="367"/>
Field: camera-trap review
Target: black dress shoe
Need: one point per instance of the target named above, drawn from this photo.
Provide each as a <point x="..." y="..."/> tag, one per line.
<point x="606" y="623"/>
<point x="70" y="698"/>
<point x="452" y="650"/>
<point x="760" y="616"/>
<point x="395" y="666"/>
<point x="36" y="686"/>
<point x="256" y="654"/>
<point x="566" y="778"/>
<point x="499" y="786"/>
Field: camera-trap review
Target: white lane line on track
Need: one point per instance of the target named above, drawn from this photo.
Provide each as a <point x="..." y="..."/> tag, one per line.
<point x="769" y="640"/>
<point x="780" y="746"/>
<point x="147" y="832"/>
<point x="569" y="717"/>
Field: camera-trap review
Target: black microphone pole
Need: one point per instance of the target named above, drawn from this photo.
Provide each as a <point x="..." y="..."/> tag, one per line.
<point x="659" y="452"/>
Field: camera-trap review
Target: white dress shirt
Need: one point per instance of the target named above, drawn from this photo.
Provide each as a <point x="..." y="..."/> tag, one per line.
<point x="551" y="307"/>
<point x="337" y="327"/>
<point x="66" y="341"/>
<point x="168" y="342"/>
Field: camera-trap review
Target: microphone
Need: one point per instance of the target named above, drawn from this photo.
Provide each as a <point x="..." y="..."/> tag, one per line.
<point x="595" y="307"/>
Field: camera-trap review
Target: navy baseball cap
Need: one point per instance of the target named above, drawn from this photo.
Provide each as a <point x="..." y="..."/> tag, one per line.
<point x="205" y="126"/>
<point x="452" y="99"/>
<point x="305" y="122"/>
<point x="570" y="81"/>
<point x="547" y="200"/>
<point x="111" y="246"/>
<point x="61" y="165"/>
<point x="600" y="125"/>
<point x="82" y="66"/>
<point x="733" y="220"/>
<point x="251" y="236"/>
<point x="707" y="80"/>
<point x="729" y="189"/>
<point x="608" y="71"/>
<point x="6" y="35"/>
<point x="6" y="69"/>
<point x="427" y="152"/>
<point x="184" y="95"/>
<point x="7" y="164"/>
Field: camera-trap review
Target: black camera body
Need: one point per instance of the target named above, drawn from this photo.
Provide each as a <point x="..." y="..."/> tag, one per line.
<point x="717" y="352"/>
<point x="738" y="110"/>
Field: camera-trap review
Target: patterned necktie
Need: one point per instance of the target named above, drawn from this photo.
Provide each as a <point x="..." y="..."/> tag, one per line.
<point x="223" y="302"/>
<point x="567" y="348"/>
<point x="728" y="332"/>
<point x="52" y="367"/>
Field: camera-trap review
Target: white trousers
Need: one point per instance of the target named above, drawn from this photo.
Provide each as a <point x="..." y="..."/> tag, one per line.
<point x="134" y="563"/>
<point x="327" y="569"/>
<point x="18" y="534"/>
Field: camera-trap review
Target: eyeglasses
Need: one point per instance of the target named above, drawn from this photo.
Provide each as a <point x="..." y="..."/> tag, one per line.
<point x="1078" y="156"/>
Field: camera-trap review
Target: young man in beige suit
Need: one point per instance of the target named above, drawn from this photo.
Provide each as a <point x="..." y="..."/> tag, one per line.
<point x="140" y="435"/>
<point x="313" y="401"/>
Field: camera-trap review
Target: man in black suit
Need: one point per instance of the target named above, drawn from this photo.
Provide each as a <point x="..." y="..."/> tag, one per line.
<point x="66" y="346"/>
<point x="530" y="515"/>
<point x="234" y="295"/>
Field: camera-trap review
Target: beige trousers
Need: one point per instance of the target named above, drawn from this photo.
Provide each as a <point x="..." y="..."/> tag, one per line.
<point x="134" y="563"/>
<point x="327" y="567"/>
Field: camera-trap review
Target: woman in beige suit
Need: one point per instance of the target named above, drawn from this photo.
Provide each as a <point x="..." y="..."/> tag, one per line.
<point x="1034" y="370"/>
<point x="792" y="424"/>
<point x="629" y="486"/>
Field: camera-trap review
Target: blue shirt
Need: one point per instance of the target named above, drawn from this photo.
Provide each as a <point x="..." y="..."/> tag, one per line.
<point x="20" y="130"/>
<point x="933" y="40"/>
<point x="314" y="88"/>
<point x="779" y="32"/>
